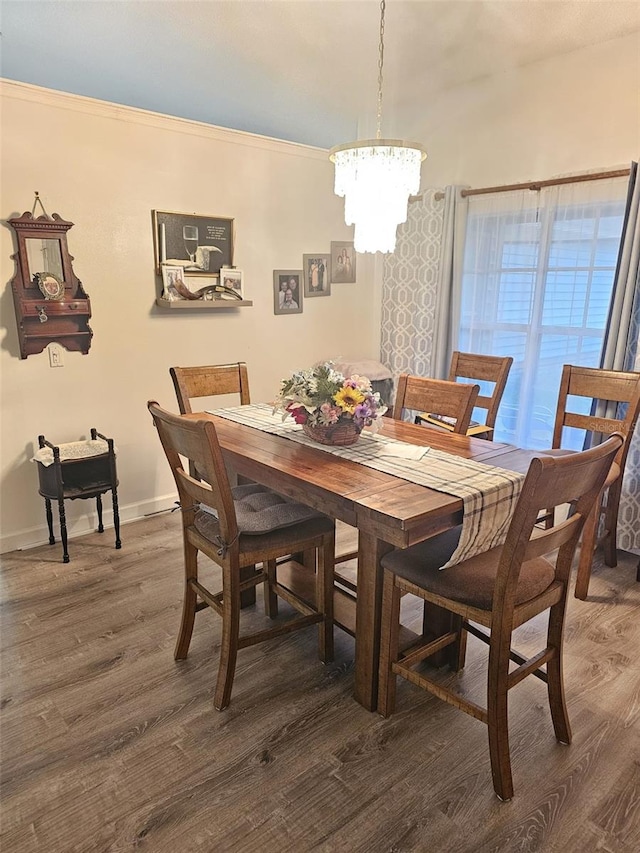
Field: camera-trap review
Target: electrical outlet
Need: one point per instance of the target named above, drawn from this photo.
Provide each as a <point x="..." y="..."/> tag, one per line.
<point x="56" y="355"/>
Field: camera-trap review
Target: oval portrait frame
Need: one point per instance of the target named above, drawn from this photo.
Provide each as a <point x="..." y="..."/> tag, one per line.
<point x="50" y="285"/>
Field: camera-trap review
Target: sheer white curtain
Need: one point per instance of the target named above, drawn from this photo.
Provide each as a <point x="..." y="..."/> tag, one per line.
<point x="536" y="284"/>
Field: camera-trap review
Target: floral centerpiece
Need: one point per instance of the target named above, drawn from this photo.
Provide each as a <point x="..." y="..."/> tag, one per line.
<point x="332" y="408"/>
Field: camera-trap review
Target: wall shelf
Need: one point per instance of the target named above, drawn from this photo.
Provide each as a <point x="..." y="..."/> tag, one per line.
<point x="202" y="304"/>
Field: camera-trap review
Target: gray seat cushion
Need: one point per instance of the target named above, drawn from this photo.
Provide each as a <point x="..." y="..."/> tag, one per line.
<point x="258" y="510"/>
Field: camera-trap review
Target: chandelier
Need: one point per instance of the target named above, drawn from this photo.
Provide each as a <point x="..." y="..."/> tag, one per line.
<point x="376" y="177"/>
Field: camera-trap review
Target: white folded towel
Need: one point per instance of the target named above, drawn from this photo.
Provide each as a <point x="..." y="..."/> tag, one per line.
<point x="403" y="451"/>
<point x="397" y="449"/>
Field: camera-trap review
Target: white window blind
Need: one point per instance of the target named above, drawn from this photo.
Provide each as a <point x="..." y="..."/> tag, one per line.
<point x="536" y="284"/>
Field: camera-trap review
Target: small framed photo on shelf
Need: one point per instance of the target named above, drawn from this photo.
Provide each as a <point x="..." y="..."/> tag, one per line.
<point x="317" y="274"/>
<point x="172" y="281"/>
<point x="200" y="244"/>
<point x="343" y="263"/>
<point x="231" y="280"/>
<point x="287" y="291"/>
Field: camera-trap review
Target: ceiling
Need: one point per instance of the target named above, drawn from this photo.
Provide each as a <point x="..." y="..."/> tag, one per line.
<point x="303" y="70"/>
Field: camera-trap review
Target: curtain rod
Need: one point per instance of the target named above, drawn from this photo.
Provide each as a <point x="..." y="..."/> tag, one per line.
<point x="553" y="182"/>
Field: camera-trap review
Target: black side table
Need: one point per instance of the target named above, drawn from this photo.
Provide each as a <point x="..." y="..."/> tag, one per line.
<point x="78" y="470"/>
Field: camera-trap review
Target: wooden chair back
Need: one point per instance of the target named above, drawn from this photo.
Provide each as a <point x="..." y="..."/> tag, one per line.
<point x="611" y="386"/>
<point x="552" y="481"/>
<point x="608" y="389"/>
<point x="451" y="399"/>
<point x="487" y="368"/>
<point x="210" y="381"/>
<point x="197" y="442"/>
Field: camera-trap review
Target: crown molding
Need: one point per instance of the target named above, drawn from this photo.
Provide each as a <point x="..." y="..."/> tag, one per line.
<point x="134" y="115"/>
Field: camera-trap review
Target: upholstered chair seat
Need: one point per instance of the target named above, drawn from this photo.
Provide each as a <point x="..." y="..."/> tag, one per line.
<point x="472" y="582"/>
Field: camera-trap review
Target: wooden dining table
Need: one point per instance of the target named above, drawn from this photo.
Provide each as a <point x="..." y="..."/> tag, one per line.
<point x="388" y="512"/>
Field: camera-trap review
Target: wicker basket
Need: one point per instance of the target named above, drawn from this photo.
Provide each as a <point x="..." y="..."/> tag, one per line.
<point x="339" y="435"/>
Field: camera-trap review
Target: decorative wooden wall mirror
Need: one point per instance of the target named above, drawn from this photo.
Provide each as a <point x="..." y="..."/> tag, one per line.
<point x="50" y="302"/>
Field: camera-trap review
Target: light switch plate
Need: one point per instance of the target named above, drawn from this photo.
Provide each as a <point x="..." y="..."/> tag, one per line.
<point x="56" y="355"/>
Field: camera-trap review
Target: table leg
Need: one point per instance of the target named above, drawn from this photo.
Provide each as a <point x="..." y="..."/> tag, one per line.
<point x="436" y="621"/>
<point x="368" y="611"/>
<point x="247" y="596"/>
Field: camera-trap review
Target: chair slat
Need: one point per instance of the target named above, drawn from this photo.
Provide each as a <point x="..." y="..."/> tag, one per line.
<point x="210" y="381"/>
<point x="487" y="368"/>
<point x="451" y="399"/>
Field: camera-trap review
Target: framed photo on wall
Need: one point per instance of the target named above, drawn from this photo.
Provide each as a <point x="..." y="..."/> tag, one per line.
<point x="343" y="263"/>
<point x="317" y="274"/>
<point x="172" y="279"/>
<point x="233" y="280"/>
<point x="200" y="244"/>
<point x="287" y="291"/>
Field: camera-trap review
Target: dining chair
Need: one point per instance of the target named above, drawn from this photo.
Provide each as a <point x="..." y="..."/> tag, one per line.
<point x="210" y="381"/>
<point x="240" y="528"/>
<point x="453" y="400"/>
<point x="474" y="367"/>
<point x="600" y="386"/>
<point x="500" y="590"/>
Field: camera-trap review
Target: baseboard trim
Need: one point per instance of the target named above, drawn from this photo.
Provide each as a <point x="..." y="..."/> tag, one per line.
<point x="86" y="523"/>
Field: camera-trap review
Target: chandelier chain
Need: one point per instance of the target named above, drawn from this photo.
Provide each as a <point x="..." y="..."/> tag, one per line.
<point x="380" y="67"/>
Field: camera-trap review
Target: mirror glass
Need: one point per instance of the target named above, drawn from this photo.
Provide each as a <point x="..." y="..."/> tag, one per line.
<point x="44" y="256"/>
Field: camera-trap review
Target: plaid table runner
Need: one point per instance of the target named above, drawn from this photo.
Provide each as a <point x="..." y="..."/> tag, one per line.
<point x="489" y="494"/>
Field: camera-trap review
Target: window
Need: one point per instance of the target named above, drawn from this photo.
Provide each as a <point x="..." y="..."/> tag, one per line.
<point x="536" y="284"/>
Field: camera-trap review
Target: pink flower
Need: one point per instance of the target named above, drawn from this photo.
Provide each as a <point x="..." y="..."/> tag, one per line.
<point x="330" y="414"/>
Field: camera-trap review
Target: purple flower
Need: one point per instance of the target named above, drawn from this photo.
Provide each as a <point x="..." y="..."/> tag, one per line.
<point x="363" y="413"/>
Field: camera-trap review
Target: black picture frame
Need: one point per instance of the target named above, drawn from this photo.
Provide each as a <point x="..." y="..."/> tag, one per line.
<point x="212" y="237"/>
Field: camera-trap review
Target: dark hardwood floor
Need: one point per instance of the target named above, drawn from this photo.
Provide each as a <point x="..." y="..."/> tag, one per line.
<point x="108" y="744"/>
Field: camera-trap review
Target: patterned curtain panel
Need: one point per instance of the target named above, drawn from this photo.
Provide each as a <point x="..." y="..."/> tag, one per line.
<point x="629" y="512"/>
<point x="620" y="352"/>
<point x="410" y="287"/>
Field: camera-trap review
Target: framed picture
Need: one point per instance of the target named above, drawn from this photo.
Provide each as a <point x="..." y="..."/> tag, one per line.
<point x="287" y="291"/>
<point x="200" y="244"/>
<point x="232" y="280"/>
<point x="343" y="263"/>
<point x="172" y="280"/>
<point x="51" y="287"/>
<point x="317" y="274"/>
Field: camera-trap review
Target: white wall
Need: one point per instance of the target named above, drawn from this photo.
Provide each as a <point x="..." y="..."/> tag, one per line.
<point x="576" y="112"/>
<point x="106" y="168"/>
